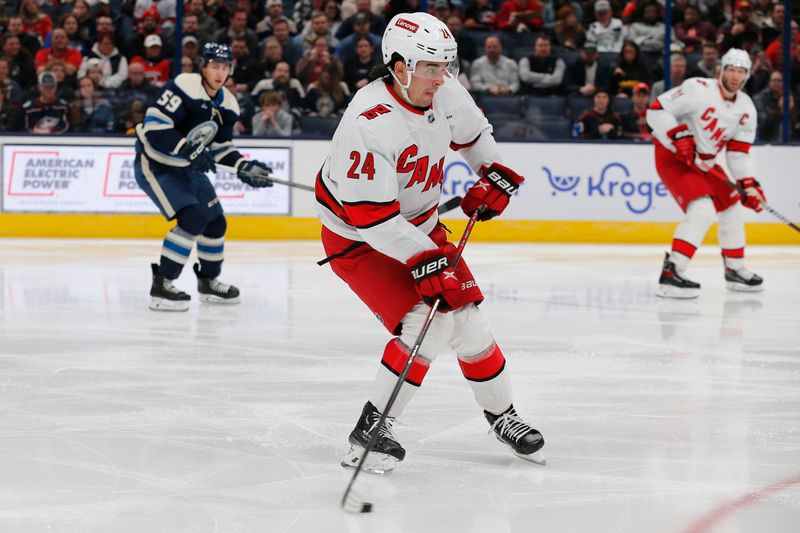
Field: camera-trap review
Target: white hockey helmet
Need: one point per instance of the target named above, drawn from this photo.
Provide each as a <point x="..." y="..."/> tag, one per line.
<point x="735" y="57"/>
<point x="419" y="37"/>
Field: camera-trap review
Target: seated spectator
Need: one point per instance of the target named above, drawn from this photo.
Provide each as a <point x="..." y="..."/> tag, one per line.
<point x="281" y="82"/>
<point x="34" y="22"/>
<point x="441" y="9"/>
<point x="493" y="72"/>
<point x="46" y="114"/>
<point x="634" y="122"/>
<point x="134" y="115"/>
<point x="607" y="32"/>
<point x="551" y="8"/>
<point x="191" y="48"/>
<point x="739" y="32"/>
<point x="166" y="10"/>
<point x="114" y="64"/>
<point x="271" y="120"/>
<point x="772" y="27"/>
<point x="29" y="42"/>
<point x="75" y="38"/>
<point x="759" y="71"/>
<point x="245" y="69"/>
<point x="20" y="62"/>
<point x="246" y="109"/>
<point x="149" y="25"/>
<point x="237" y="27"/>
<point x="520" y="16"/>
<point x="481" y="15"/>
<point x="135" y="87"/>
<point x="273" y="54"/>
<point x="207" y="25"/>
<point x="542" y="74"/>
<point x="600" y="122"/>
<point x="356" y="69"/>
<point x="66" y="84"/>
<point x="156" y="68"/>
<point x="10" y="109"/>
<point x="693" y="31"/>
<point x="467" y="48"/>
<point x="106" y="26"/>
<point x="361" y="28"/>
<point x="318" y="27"/>
<point x="292" y="50"/>
<point x="81" y="10"/>
<point x="329" y="95"/>
<point x="58" y="51"/>
<point x="708" y="62"/>
<point x="315" y="61"/>
<point x="774" y="53"/>
<point x="587" y="75"/>
<point x="769" y="104"/>
<point x="264" y="28"/>
<point x="630" y="70"/>
<point x="569" y="32"/>
<point x="677" y="75"/>
<point x="90" y="113"/>
<point x="334" y="15"/>
<point x="376" y="24"/>
<point x="123" y="23"/>
<point x="189" y="66"/>
<point x="648" y="29"/>
<point x="12" y="89"/>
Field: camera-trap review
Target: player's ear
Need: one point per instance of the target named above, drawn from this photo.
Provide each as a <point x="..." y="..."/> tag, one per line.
<point x="401" y="71"/>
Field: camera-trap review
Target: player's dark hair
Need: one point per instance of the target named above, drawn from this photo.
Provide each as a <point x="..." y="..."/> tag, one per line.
<point x="384" y="70"/>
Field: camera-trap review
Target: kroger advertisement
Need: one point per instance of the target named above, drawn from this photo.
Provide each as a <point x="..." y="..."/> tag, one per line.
<point x="100" y="179"/>
<point x="615" y="182"/>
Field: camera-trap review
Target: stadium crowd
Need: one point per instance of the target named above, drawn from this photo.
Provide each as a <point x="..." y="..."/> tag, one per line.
<point x="540" y="69"/>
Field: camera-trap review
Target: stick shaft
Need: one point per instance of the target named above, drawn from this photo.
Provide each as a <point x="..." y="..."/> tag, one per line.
<point x="774" y="213"/>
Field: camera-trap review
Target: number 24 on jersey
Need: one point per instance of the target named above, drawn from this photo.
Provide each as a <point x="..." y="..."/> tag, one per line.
<point x="367" y="168"/>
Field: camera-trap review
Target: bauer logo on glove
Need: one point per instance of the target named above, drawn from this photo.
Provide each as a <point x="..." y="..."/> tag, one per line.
<point x="492" y="192"/>
<point x="428" y="269"/>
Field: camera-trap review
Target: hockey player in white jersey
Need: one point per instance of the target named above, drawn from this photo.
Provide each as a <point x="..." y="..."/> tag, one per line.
<point x="381" y="185"/>
<point x="691" y="125"/>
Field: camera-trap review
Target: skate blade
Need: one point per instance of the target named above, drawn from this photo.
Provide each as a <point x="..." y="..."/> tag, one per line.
<point x="741" y="287"/>
<point x="535" y="457"/>
<point x="161" y="304"/>
<point x="377" y="463"/>
<point x="670" y="291"/>
<point x="216" y="300"/>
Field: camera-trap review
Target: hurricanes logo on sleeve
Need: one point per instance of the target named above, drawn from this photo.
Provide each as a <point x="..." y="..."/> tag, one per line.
<point x="376" y="111"/>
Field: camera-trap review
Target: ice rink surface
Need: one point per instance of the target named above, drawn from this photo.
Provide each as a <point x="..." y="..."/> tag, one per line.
<point x="659" y="416"/>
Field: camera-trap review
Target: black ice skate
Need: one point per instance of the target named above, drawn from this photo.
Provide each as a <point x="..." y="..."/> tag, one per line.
<point x="387" y="451"/>
<point x="525" y="441"/>
<point x="742" y="280"/>
<point x="213" y="291"/>
<point x="164" y="296"/>
<point x="672" y="285"/>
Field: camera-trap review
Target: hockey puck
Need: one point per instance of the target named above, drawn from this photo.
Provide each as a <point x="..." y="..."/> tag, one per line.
<point x="366" y="508"/>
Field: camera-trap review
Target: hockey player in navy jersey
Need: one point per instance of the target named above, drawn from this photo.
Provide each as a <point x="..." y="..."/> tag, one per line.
<point x="171" y="165"/>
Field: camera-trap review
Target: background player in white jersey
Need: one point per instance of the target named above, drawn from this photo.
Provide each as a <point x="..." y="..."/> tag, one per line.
<point x="381" y="185"/>
<point x="171" y="169"/>
<point x="691" y="124"/>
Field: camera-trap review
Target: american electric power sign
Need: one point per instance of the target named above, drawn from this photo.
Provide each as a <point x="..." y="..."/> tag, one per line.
<point x="100" y="179"/>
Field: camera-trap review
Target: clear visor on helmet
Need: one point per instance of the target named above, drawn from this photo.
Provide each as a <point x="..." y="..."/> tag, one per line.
<point x="435" y="71"/>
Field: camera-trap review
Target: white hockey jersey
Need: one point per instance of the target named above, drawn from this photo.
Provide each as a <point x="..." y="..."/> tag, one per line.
<point x="715" y="122"/>
<point x="382" y="181"/>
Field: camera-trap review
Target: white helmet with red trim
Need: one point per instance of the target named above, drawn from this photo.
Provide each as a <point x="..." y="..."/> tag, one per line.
<point x="419" y="37"/>
<point x="735" y="57"/>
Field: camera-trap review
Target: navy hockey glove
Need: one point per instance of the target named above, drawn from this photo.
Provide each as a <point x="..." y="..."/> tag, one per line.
<point x="200" y="159"/>
<point x="493" y="191"/>
<point x="255" y="174"/>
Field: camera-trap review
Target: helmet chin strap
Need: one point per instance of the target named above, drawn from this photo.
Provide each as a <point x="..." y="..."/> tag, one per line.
<point x="403" y="87"/>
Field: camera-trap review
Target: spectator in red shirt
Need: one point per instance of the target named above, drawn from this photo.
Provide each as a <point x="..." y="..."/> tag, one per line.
<point x="156" y="69"/>
<point x="774" y="51"/>
<point x="34" y="21"/>
<point x="520" y="15"/>
<point x="60" y="50"/>
<point x="693" y="31"/>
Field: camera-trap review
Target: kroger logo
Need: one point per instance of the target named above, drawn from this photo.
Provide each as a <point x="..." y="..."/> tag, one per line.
<point x="612" y="182"/>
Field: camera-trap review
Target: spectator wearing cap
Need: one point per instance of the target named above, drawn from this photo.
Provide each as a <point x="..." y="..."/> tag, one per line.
<point x="568" y="31"/>
<point x="481" y="15"/>
<point x="587" y="75"/>
<point x="59" y="50"/>
<point x="377" y="24"/>
<point x="318" y="27"/>
<point x="493" y="72"/>
<point x="600" y="122"/>
<point x="90" y="112"/>
<point x="29" y="42"/>
<point x="347" y="47"/>
<point x="693" y="31"/>
<point x="34" y="22"/>
<point x="648" y="29"/>
<point x="191" y="48"/>
<point x="606" y="32"/>
<point x="237" y="27"/>
<point x="264" y="28"/>
<point x="282" y="82"/>
<point x="520" y="16"/>
<point x="706" y="65"/>
<point x="207" y="24"/>
<point x="542" y="74"/>
<point x="65" y="85"/>
<point x="113" y="63"/>
<point x="46" y="114"/>
<point x="156" y="68"/>
<point x="166" y="10"/>
<point x="441" y="9"/>
<point x="677" y="74"/>
<point x="634" y="122"/>
<point x="740" y="31"/>
<point x="149" y="24"/>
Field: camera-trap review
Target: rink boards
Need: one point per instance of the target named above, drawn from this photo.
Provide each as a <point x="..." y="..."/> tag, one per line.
<point x="574" y="192"/>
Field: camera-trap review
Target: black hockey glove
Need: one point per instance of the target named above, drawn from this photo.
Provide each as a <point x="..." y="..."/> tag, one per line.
<point x="200" y="159"/>
<point x="255" y="174"/>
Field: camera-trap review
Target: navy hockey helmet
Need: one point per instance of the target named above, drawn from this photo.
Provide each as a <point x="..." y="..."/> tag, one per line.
<point x="217" y="53"/>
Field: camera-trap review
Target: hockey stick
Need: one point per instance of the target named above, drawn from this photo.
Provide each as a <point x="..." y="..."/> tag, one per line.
<point x="777" y="215"/>
<point x="351" y="502"/>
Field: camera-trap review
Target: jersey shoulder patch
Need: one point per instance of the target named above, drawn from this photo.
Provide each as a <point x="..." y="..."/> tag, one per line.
<point x="192" y="85"/>
<point x="229" y="101"/>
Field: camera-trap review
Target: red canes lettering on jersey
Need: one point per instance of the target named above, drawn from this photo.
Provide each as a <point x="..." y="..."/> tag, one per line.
<point x="717" y="133"/>
<point x="419" y="169"/>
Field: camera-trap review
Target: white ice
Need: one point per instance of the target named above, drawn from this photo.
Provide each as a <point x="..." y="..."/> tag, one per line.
<point x="659" y="416"/>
